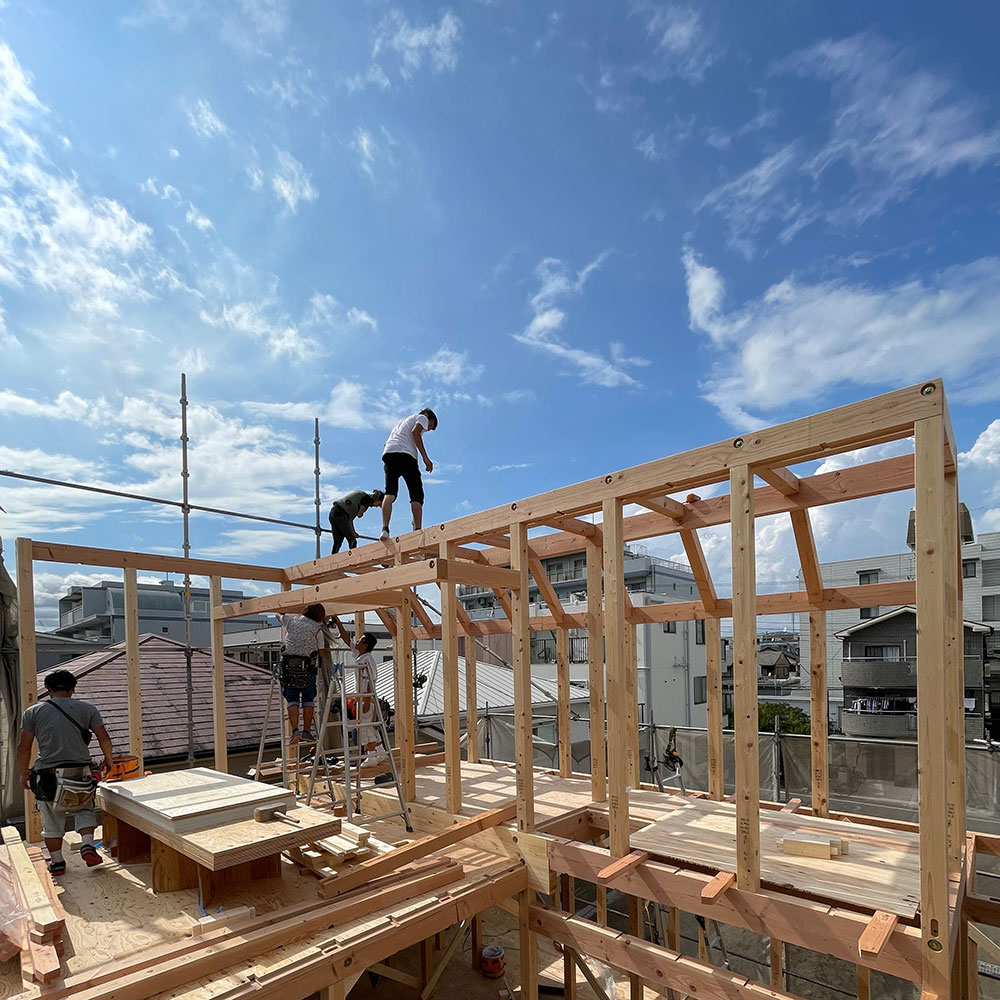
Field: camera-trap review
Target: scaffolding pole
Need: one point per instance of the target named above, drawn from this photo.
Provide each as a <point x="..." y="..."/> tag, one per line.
<point x="185" y="514"/>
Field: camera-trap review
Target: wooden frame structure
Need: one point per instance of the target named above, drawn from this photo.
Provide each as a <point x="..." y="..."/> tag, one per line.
<point x="502" y="548"/>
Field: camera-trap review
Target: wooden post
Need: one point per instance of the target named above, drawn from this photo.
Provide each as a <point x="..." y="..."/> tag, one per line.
<point x="471" y="699"/>
<point x="28" y="665"/>
<point x="567" y="898"/>
<point x="477" y="942"/>
<point x="955" y="671"/>
<point x="632" y="704"/>
<point x="529" y="943"/>
<point x="218" y="679"/>
<point x="132" y="664"/>
<point x="564" y="723"/>
<point x="449" y="668"/>
<point x="713" y="682"/>
<point x="405" y="736"/>
<point x="635" y="928"/>
<point x="595" y="658"/>
<point x="521" y="638"/>
<point x="933" y="694"/>
<point x="620" y="744"/>
<point x="745" y="680"/>
<point x="777" y="949"/>
<point x="864" y="983"/>
<point x="820" y="714"/>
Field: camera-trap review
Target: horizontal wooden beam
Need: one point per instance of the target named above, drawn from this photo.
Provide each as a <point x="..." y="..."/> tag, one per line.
<point x="666" y="506"/>
<point x="874" y="937"/>
<point x="785" y="482"/>
<point x="718" y="885"/>
<point x="82" y="555"/>
<point x="575" y="526"/>
<point x="474" y="574"/>
<point x="619" y="865"/>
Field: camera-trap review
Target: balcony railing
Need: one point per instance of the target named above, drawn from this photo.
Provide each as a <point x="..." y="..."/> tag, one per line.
<point x="877" y="672"/>
<point x="880" y="725"/>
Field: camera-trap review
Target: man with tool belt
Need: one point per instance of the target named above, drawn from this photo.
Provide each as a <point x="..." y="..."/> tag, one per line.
<point x="299" y="663"/>
<point x="62" y="778"/>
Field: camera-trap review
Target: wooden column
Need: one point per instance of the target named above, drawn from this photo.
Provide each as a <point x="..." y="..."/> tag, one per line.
<point x="289" y="775"/>
<point x="564" y="722"/>
<point x="820" y="713"/>
<point x="745" y="681"/>
<point x="632" y="676"/>
<point x="595" y="657"/>
<point x="529" y="942"/>
<point x="403" y="661"/>
<point x="132" y="666"/>
<point x="27" y="664"/>
<point x="864" y="983"/>
<point x="567" y="898"/>
<point x="471" y="699"/>
<point x="955" y="667"/>
<point x="778" y="958"/>
<point x="449" y="668"/>
<point x="713" y="670"/>
<point x="620" y="743"/>
<point x="218" y="679"/>
<point x="933" y="694"/>
<point x="521" y="640"/>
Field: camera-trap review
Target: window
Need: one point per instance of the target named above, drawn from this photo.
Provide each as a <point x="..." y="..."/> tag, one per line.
<point x="700" y="690"/>
<point x="869" y="613"/>
<point x="991" y="607"/>
<point x="969" y="569"/>
<point x="670" y="627"/>
<point x="164" y="628"/>
<point x="991" y="572"/>
<point x="868" y="576"/>
<point x="888" y="653"/>
<point x="699" y="632"/>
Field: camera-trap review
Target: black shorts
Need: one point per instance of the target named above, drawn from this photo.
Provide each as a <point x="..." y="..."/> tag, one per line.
<point x="398" y="464"/>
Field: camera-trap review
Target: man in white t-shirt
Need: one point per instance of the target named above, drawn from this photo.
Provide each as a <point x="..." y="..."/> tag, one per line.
<point x="368" y="734"/>
<point x="399" y="457"/>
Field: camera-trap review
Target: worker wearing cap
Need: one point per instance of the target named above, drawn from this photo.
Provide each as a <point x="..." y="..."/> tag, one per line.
<point x="345" y="510"/>
<point x="368" y="735"/>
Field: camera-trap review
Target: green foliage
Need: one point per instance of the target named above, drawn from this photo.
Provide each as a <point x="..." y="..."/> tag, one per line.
<point x="790" y="719"/>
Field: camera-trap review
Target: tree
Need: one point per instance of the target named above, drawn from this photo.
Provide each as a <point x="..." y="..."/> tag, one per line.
<point x="790" y="719"/>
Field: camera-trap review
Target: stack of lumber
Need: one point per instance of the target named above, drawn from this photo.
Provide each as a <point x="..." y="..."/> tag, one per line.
<point x="326" y="857"/>
<point x="38" y="935"/>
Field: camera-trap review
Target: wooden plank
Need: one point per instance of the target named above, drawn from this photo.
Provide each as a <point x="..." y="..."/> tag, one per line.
<point x="564" y="722"/>
<point x="218" y="679"/>
<point x="663" y="505"/>
<point x="619" y="737"/>
<point x="791" y="806"/>
<point x="41" y="913"/>
<point x="778" y="963"/>
<point x="132" y="664"/>
<point x="567" y="899"/>
<point x="864" y="983"/>
<point x="783" y="480"/>
<point x="876" y="934"/>
<point x="471" y="700"/>
<point x="373" y="867"/>
<point x="595" y="660"/>
<point x="449" y="667"/>
<point x="546" y="589"/>
<point x="699" y="567"/>
<point x="819" y="713"/>
<point x="632" y="698"/>
<point x="955" y="677"/>
<point x="745" y="680"/>
<point x="477" y="574"/>
<point x="808" y="557"/>
<point x="713" y="681"/>
<point x="932" y="700"/>
<point x="404" y="706"/>
<point x="576" y="527"/>
<point x="807" y="845"/>
<point x="24" y="554"/>
<point x="718" y="885"/>
<point x="58" y="552"/>
<point x="627" y="863"/>
<point x="521" y="638"/>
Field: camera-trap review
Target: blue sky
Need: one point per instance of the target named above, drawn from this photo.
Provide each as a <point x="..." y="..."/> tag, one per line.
<point x="588" y="235"/>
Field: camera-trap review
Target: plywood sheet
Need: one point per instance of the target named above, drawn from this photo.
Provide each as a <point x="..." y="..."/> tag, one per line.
<point x="197" y="799"/>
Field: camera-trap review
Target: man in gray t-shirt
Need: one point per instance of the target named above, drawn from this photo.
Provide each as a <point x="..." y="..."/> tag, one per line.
<point x="59" y="724"/>
<point x="345" y="510"/>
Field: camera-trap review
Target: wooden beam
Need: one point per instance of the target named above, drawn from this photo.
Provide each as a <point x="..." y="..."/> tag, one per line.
<point x="745" y="681"/>
<point x="784" y="481"/>
<point x="820" y="714"/>
<point x="564" y="723"/>
<point x="524" y="761"/>
<point x="876" y="934"/>
<point x="471" y="699"/>
<point x="778" y="963"/>
<point x="955" y="676"/>
<point x="620" y="762"/>
<point x="699" y="567"/>
<point x="567" y="899"/>
<point x="808" y="558"/>
<point x="632" y="698"/>
<point x="476" y="574"/>
<point x="575" y="527"/>
<point x="218" y="679"/>
<point x="384" y="864"/>
<point x="449" y="667"/>
<point x="713" y="683"/>
<point x="545" y="588"/>
<point x="932" y="700"/>
<point x="83" y="555"/>
<point x="595" y="657"/>
<point x="132" y="665"/>
<point x="663" y="505"/>
<point x="27" y="662"/>
<point x="617" y="867"/>
<point x="718" y="885"/>
<point x="864" y="983"/>
<point x="528" y="940"/>
<point x="404" y="706"/>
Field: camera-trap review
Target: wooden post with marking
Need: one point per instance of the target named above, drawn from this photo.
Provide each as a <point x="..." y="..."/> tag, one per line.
<point x="632" y="703"/>
<point x="28" y="665"/>
<point x="955" y="672"/>
<point x="713" y="670"/>
<point x="218" y="679"/>
<point x="404" y="704"/>
<point x="745" y="680"/>
<point x="449" y="668"/>
<point x="595" y="658"/>
<point x="564" y="722"/>
<point x="132" y="665"/>
<point x="819" y="713"/>
<point x="471" y="699"/>
<point x="521" y="638"/>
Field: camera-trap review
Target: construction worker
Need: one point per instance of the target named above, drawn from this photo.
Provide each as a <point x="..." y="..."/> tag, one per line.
<point x="63" y="777"/>
<point x="299" y="656"/>
<point x="399" y="458"/>
<point x="345" y="510"/>
<point x="368" y="734"/>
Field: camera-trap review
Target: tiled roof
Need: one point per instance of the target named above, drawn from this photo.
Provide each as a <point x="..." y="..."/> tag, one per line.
<point x="102" y="680"/>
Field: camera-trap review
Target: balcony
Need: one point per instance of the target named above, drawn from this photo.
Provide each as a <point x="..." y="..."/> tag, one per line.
<point x="887" y="725"/>
<point x="876" y="673"/>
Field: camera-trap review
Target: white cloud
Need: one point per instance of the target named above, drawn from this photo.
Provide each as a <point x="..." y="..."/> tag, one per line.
<point x="66" y="406"/>
<point x="249" y="26"/>
<point x="510" y="465"/>
<point x="291" y="182"/>
<point x="291" y="91"/>
<point x="281" y="336"/>
<point x="255" y="177"/>
<point x="374" y="76"/>
<point x="196" y="219"/>
<point x="557" y="282"/>
<point x="359" y="317"/>
<point x="682" y="45"/>
<point x="174" y="154"/>
<point x="248" y="543"/>
<point x="985" y="451"/>
<point x="347" y="407"/>
<point x="448" y="366"/>
<point x="433" y="44"/>
<point x="663" y="143"/>
<point x="204" y="121"/>
<point x="798" y="340"/>
<point x="519" y="395"/>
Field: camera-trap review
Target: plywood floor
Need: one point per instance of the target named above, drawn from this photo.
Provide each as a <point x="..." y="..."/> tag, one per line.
<point x="882" y="870"/>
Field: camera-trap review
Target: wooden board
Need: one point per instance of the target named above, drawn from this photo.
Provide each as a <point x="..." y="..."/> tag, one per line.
<point x="185" y="801"/>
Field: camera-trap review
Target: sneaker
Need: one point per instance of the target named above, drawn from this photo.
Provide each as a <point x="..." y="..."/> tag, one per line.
<point x="89" y="854"/>
<point x="375" y="757"/>
<point x="384" y="537"/>
<point x="307" y="736"/>
<point x="296" y="736"/>
<point x="57" y="867"/>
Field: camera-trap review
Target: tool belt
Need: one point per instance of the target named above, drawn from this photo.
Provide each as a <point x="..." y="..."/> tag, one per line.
<point x="294" y="671"/>
<point x="70" y="794"/>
